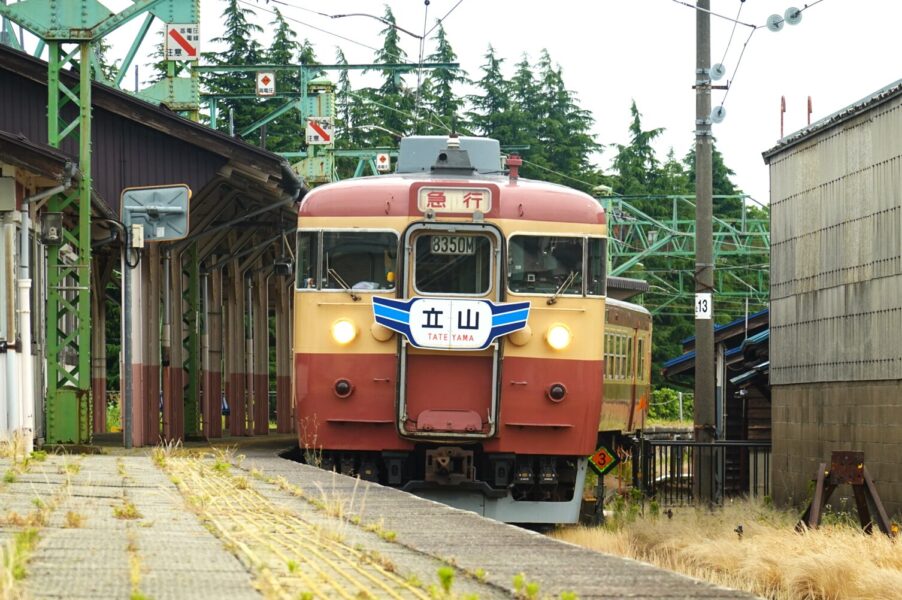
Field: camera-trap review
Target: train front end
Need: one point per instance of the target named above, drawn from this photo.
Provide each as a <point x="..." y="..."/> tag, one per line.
<point x="448" y="333"/>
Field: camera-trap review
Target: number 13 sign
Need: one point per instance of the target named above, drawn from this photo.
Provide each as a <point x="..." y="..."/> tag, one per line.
<point x="704" y="308"/>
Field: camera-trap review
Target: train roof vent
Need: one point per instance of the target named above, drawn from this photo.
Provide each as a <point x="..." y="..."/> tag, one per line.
<point x="418" y="155"/>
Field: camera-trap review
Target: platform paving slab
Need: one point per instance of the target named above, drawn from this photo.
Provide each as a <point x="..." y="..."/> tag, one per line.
<point x="165" y="553"/>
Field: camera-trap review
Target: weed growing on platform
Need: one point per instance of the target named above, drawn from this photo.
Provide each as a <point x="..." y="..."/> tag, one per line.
<point x="313" y="453"/>
<point x="73" y="520"/>
<point x="14" y="556"/>
<point x="126" y="511"/>
<point x="14" y="449"/>
<point x="135" y="570"/>
<point x="9" y="476"/>
<point x="160" y="454"/>
<point x="770" y="559"/>
<point x="525" y="589"/>
<point x="446" y="578"/>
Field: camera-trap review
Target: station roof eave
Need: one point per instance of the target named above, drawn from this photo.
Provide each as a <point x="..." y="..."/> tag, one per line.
<point x="684" y="364"/>
<point x="49" y="166"/>
<point x="41" y="160"/>
<point x="733" y="328"/>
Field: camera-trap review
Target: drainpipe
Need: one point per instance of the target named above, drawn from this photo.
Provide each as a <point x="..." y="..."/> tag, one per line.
<point x="166" y="336"/>
<point x="27" y="360"/>
<point x="8" y="419"/>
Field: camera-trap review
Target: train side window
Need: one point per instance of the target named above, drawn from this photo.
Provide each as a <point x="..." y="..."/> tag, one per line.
<point x="629" y="357"/>
<point x="621" y="372"/>
<point x="596" y="265"/>
<point x="359" y="260"/>
<point x="608" y="356"/>
<point x="542" y="264"/>
<point x="641" y="369"/>
<point x="307" y="246"/>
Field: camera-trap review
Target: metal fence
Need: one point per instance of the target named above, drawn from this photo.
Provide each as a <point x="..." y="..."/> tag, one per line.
<point x="665" y="469"/>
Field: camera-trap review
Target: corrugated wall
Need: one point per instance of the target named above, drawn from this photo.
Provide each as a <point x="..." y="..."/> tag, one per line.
<point x="836" y="241"/>
<point x="125" y="153"/>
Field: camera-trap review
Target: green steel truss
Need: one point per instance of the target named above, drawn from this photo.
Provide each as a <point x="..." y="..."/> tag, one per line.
<point x="635" y="237"/>
<point x="69" y="265"/>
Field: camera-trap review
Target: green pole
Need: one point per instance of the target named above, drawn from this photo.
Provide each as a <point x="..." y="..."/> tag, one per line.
<point x="69" y="281"/>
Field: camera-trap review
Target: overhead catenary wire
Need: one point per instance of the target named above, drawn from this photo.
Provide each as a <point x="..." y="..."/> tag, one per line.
<point x="305" y="24"/>
<point x="440" y="21"/>
<point x="735" y="22"/>
<point x="732" y="32"/>
<point x="714" y="14"/>
<point x="416" y="102"/>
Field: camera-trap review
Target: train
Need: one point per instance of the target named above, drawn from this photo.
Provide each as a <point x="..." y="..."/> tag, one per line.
<point x="449" y="332"/>
<point x="627" y="369"/>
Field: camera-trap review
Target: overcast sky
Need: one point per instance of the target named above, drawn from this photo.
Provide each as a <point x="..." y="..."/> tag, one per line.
<point x="615" y="51"/>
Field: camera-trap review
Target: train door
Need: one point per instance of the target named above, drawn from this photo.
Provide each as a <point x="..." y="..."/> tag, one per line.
<point x="451" y="392"/>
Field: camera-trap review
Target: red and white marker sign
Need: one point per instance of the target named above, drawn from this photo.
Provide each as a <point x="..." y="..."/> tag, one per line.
<point x="182" y="41"/>
<point x="383" y="162"/>
<point x="266" y="83"/>
<point x="320" y="130"/>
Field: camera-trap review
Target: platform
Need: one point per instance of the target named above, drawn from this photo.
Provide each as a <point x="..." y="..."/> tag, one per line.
<point x="207" y="522"/>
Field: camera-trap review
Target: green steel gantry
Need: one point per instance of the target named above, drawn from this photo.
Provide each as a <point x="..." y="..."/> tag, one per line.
<point x="635" y="236"/>
<point x="315" y="98"/>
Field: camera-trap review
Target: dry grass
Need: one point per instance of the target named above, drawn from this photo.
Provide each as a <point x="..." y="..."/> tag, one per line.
<point x="14" y="555"/>
<point x="769" y="559"/>
<point x="126" y="511"/>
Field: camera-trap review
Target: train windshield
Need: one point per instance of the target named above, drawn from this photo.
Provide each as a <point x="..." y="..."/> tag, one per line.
<point x="543" y="264"/>
<point x="452" y="263"/>
<point x="357" y="260"/>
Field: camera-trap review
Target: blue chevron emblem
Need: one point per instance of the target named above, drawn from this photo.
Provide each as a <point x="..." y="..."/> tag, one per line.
<point x="450" y="324"/>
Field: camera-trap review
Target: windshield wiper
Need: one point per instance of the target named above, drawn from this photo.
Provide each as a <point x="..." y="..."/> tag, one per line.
<point x="344" y="285"/>
<point x="564" y="286"/>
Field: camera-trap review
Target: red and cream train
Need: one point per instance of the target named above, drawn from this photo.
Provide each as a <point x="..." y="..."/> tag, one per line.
<point x="450" y="332"/>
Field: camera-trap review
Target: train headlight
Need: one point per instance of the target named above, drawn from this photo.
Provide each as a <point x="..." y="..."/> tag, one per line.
<point x="558" y="336"/>
<point x="344" y="331"/>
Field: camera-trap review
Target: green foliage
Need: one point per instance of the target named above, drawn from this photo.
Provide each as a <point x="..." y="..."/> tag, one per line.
<point x="636" y="164"/>
<point x="286" y="133"/>
<point x="446" y="578"/>
<point x="241" y="48"/>
<point x="442" y="105"/>
<point x="665" y="405"/>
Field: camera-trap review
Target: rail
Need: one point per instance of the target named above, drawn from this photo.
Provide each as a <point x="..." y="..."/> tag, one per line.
<point x="665" y="469"/>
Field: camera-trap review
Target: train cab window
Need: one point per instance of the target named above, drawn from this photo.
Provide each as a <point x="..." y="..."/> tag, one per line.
<point x="450" y="263"/>
<point x="307" y="246"/>
<point x="596" y="265"/>
<point x="360" y="260"/>
<point x="357" y="260"/>
<point x="539" y="264"/>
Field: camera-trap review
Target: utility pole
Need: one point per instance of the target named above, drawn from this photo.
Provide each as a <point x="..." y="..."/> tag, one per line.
<point x="704" y="417"/>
